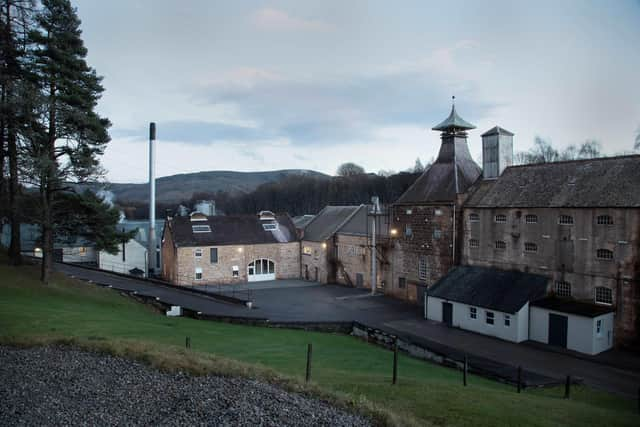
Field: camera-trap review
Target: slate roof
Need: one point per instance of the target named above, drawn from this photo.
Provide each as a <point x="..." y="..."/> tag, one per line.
<point x="454" y="122"/>
<point x="573" y="306"/>
<point x="231" y="230"/>
<point x="327" y="222"/>
<point x="491" y="288"/>
<point x="360" y="223"/>
<point x="497" y="130"/>
<point x="302" y="221"/>
<point x="438" y="182"/>
<point x="603" y="182"/>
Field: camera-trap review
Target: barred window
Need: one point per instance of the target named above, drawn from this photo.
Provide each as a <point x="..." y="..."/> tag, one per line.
<point x="531" y="219"/>
<point x="474" y="217"/>
<point x="563" y="289"/>
<point x="604" y="254"/>
<point x="474" y="243"/>
<point x="473" y="313"/>
<point x="604" y="220"/>
<point x="501" y="218"/>
<point x="530" y="247"/>
<point x="501" y="244"/>
<point x="604" y="295"/>
<point x="565" y="220"/>
<point x="422" y="268"/>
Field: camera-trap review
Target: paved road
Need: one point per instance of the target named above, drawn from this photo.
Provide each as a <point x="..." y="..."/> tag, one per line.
<point x="337" y="303"/>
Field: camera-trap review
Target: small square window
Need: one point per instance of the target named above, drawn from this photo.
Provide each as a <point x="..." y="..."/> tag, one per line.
<point x="507" y="320"/>
<point x="563" y="289"/>
<point x="198" y="253"/>
<point x="198" y="273"/>
<point x="604" y="295"/>
<point x="531" y="219"/>
<point x="501" y="245"/>
<point x="530" y="247"/>
<point x="604" y="254"/>
<point x="474" y="217"/>
<point x="437" y="234"/>
<point x="437" y="212"/>
<point x="604" y="220"/>
<point x="473" y="313"/>
<point x="501" y="219"/>
<point x="409" y="211"/>
<point x="235" y="271"/>
<point x="490" y="317"/>
<point x="474" y="243"/>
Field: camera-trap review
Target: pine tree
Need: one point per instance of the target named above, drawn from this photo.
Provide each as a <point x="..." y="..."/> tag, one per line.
<point x="75" y="135"/>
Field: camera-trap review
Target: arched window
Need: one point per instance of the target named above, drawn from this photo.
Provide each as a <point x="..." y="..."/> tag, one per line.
<point x="261" y="267"/>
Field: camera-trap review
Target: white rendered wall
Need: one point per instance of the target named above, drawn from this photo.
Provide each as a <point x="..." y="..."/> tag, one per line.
<point x="135" y="257"/>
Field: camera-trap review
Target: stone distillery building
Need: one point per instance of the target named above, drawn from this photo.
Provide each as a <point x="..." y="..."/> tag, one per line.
<point x="200" y="249"/>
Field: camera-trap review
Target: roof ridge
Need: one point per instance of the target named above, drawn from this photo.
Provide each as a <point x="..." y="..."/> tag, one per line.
<point x="622" y="156"/>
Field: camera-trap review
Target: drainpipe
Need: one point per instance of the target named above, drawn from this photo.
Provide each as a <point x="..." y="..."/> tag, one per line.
<point x="151" y="254"/>
<point x="374" y="276"/>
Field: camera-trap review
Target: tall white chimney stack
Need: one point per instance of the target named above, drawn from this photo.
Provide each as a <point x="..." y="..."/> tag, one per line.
<point x="151" y="252"/>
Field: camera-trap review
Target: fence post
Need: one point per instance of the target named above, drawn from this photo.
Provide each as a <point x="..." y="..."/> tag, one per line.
<point x="309" y="353"/>
<point x="187" y="342"/>
<point x="567" y="387"/>
<point x="395" y="362"/>
<point x="464" y="371"/>
<point x="519" y="378"/>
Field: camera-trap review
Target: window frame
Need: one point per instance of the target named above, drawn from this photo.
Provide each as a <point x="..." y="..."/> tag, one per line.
<point x="507" y="320"/>
<point x="490" y="315"/>
<point x="198" y="271"/>
<point x="211" y="252"/>
<point x="473" y="313"/>
<point x="500" y="219"/>
<point x="529" y="217"/>
<point x="598" y="327"/>
<point x="562" y="288"/>
<point x="423" y="269"/>
<point x="474" y="217"/>
<point x="197" y="253"/>
<point x="604" y="254"/>
<point x="604" y="220"/>
<point x="530" y="247"/>
<point x="200" y="228"/>
<point x="500" y="245"/>
<point x="474" y="243"/>
<point x="402" y="282"/>
<point x="565" y="220"/>
<point x="603" y="291"/>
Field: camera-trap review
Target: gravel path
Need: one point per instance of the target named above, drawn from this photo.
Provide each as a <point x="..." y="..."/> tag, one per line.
<point x="62" y="386"/>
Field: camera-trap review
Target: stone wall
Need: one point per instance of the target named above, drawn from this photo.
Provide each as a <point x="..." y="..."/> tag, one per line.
<point x="566" y="253"/>
<point x="354" y="254"/>
<point x="314" y="261"/>
<point x="422" y="232"/>
<point x="286" y="257"/>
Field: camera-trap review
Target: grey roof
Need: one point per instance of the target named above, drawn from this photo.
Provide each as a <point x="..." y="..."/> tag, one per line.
<point x="572" y="306"/>
<point x="302" y="221"/>
<point x="604" y="182"/>
<point x="360" y="223"/>
<point x="327" y="222"/>
<point x="230" y="230"/>
<point x="452" y="173"/>
<point x="454" y="122"/>
<point x="500" y="290"/>
<point x="497" y="130"/>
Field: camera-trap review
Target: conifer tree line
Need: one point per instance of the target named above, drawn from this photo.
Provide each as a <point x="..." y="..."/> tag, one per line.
<point x="50" y="132"/>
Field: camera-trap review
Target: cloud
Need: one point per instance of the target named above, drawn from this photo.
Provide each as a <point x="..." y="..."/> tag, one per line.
<point x="278" y="20"/>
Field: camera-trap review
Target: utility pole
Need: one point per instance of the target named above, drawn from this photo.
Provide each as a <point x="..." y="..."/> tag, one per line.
<point x="151" y="253"/>
<point x="375" y="212"/>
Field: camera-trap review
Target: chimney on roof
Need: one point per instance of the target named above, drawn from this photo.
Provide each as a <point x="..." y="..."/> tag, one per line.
<point x="497" y="152"/>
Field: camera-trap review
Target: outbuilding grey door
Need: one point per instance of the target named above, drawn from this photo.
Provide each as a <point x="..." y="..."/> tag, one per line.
<point x="359" y="280"/>
<point x="447" y="313"/>
<point x="558" y="330"/>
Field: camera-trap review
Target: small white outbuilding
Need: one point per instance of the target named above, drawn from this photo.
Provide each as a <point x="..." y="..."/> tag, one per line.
<point x="576" y="325"/>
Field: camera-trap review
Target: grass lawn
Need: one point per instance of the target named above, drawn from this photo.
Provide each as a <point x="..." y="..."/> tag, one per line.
<point x="344" y="368"/>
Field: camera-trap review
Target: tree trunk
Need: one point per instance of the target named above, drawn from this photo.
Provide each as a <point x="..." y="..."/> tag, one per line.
<point x="15" y="256"/>
<point x="47" y="191"/>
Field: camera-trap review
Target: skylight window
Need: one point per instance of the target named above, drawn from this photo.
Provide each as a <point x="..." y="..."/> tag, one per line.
<point x="201" y="229"/>
<point x="270" y="226"/>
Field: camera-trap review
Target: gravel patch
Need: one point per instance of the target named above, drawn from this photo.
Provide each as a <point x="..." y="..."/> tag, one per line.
<point x="64" y="386"/>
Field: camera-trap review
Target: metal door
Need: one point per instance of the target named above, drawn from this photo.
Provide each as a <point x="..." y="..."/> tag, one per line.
<point x="359" y="280"/>
<point x="447" y="313"/>
<point x="558" y="330"/>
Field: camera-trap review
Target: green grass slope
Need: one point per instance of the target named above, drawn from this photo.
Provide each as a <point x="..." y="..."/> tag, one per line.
<point x="344" y="369"/>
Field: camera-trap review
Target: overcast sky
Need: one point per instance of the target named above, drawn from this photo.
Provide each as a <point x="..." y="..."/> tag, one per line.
<point x="253" y="85"/>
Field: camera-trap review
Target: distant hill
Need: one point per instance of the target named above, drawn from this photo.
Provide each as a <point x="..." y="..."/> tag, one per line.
<point x="175" y="188"/>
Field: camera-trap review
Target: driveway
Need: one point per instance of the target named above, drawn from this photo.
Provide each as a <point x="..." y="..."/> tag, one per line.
<point x="302" y="301"/>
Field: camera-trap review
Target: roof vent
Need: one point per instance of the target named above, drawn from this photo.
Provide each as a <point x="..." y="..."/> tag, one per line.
<point x="198" y="216"/>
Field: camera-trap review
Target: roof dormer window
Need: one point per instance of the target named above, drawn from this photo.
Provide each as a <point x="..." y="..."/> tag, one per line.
<point x="198" y="216"/>
<point x="201" y="228"/>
